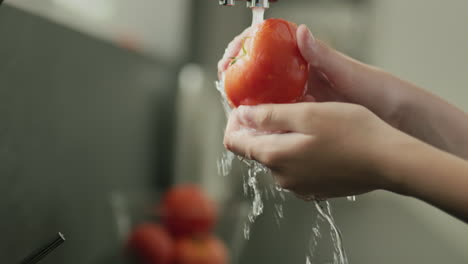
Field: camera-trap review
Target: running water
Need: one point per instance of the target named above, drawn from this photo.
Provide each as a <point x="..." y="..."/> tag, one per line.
<point x="251" y="187"/>
<point x="339" y="254"/>
<point x="258" y="14"/>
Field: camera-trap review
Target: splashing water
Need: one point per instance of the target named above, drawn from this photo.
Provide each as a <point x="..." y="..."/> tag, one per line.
<point x="224" y="163"/>
<point x="257" y="205"/>
<point x="251" y="188"/>
<point x="250" y="184"/>
<point x="247" y="231"/>
<point x="339" y="254"/>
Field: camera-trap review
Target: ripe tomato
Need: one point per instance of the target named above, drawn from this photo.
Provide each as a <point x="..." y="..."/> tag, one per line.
<point x="186" y="210"/>
<point x="200" y="250"/>
<point x="152" y="244"/>
<point x="269" y="68"/>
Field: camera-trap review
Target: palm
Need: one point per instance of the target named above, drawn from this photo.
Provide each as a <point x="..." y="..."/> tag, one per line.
<point x="322" y="88"/>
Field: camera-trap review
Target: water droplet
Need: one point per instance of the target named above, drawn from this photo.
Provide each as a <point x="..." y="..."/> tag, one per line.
<point x="251" y="217"/>
<point x="247" y="231"/>
<point x="316" y="231"/>
<point x="279" y="210"/>
<point x="257" y="204"/>
<point x="278" y="187"/>
<point x="282" y="196"/>
<point x="272" y="190"/>
<point x="265" y="191"/>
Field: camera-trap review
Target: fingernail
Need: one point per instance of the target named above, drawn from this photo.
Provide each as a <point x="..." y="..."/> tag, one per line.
<point x="310" y="37"/>
<point x="307" y="44"/>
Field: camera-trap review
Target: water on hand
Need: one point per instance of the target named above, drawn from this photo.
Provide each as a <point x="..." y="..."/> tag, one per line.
<point x="277" y="194"/>
<point x="251" y="186"/>
<point x="258" y="15"/>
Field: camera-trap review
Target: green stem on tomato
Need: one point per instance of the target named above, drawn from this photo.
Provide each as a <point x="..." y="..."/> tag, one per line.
<point x="244" y="53"/>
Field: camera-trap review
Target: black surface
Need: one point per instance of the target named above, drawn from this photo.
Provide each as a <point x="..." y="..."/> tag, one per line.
<point x="81" y="121"/>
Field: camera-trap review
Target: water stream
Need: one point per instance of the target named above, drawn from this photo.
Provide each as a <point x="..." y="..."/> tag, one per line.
<point x="251" y="188"/>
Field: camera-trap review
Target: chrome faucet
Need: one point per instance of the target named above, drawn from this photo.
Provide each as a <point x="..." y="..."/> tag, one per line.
<point x="250" y="3"/>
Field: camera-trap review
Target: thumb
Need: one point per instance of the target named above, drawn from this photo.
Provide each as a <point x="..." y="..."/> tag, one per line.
<point x="340" y="69"/>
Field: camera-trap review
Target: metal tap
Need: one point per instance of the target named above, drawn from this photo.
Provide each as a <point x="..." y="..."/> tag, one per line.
<point x="250" y="3"/>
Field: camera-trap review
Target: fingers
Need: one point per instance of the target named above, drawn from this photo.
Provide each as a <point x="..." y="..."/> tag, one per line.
<point x="275" y="117"/>
<point x="254" y="144"/>
<point x="268" y="149"/>
<point x="249" y="131"/>
<point x="231" y="51"/>
<point x="340" y="69"/>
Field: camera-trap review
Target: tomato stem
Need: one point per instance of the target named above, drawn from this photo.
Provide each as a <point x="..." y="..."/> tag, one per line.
<point x="244" y="52"/>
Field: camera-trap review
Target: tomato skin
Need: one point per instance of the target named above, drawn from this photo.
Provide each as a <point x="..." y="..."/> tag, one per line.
<point x="186" y="210"/>
<point x="200" y="250"/>
<point x="151" y="244"/>
<point x="270" y="67"/>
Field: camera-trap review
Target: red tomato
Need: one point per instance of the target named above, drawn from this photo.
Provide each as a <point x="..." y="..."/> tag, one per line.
<point x="152" y="244"/>
<point x="269" y="68"/>
<point x="186" y="210"/>
<point x="203" y="250"/>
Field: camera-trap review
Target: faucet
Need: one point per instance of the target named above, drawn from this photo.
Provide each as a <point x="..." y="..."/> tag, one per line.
<point x="250" y="3"/>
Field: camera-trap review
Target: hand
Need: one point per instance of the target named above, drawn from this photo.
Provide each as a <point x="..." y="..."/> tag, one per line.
<point x="339" y="78"/>
<point x="321" y="149"/>
<point x="336" y="77"/>
<point x="338" y="149"/>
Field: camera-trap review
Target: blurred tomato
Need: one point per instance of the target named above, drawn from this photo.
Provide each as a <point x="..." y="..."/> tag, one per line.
<point x="269" y="68"/>
<point x="200" y="250"/>
<point x="186" y="210"/>
<point x="152" y="244"/>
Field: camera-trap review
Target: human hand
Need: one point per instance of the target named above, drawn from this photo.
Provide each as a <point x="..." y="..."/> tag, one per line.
<point x="320" y="149"/>
<point x="339" y="149"/>
<point x="338" y="78"/>
<point x="335" y="77"/>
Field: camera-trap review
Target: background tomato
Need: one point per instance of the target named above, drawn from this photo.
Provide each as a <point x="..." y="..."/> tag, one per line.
<point x="186" y="210"/>
<point x="200" y="250"/>
<point x="269" y="68"/>
<point x="152" y="244"/>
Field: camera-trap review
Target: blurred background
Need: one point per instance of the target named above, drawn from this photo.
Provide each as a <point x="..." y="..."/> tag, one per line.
<point x="105" y="104"/>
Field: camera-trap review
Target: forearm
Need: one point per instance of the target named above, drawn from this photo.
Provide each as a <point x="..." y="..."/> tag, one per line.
<point x="411" y="109"/>
<point x="432" y="120"/>
<point x="422" y="171"/>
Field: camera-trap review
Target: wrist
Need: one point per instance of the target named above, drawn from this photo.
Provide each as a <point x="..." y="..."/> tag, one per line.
<point x="401" y="101"/>
<point x="398" y="153"/>
<point x="408" y="101"/>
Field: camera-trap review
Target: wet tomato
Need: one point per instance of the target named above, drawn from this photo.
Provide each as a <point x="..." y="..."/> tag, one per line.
<point x="269" y="67"/>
